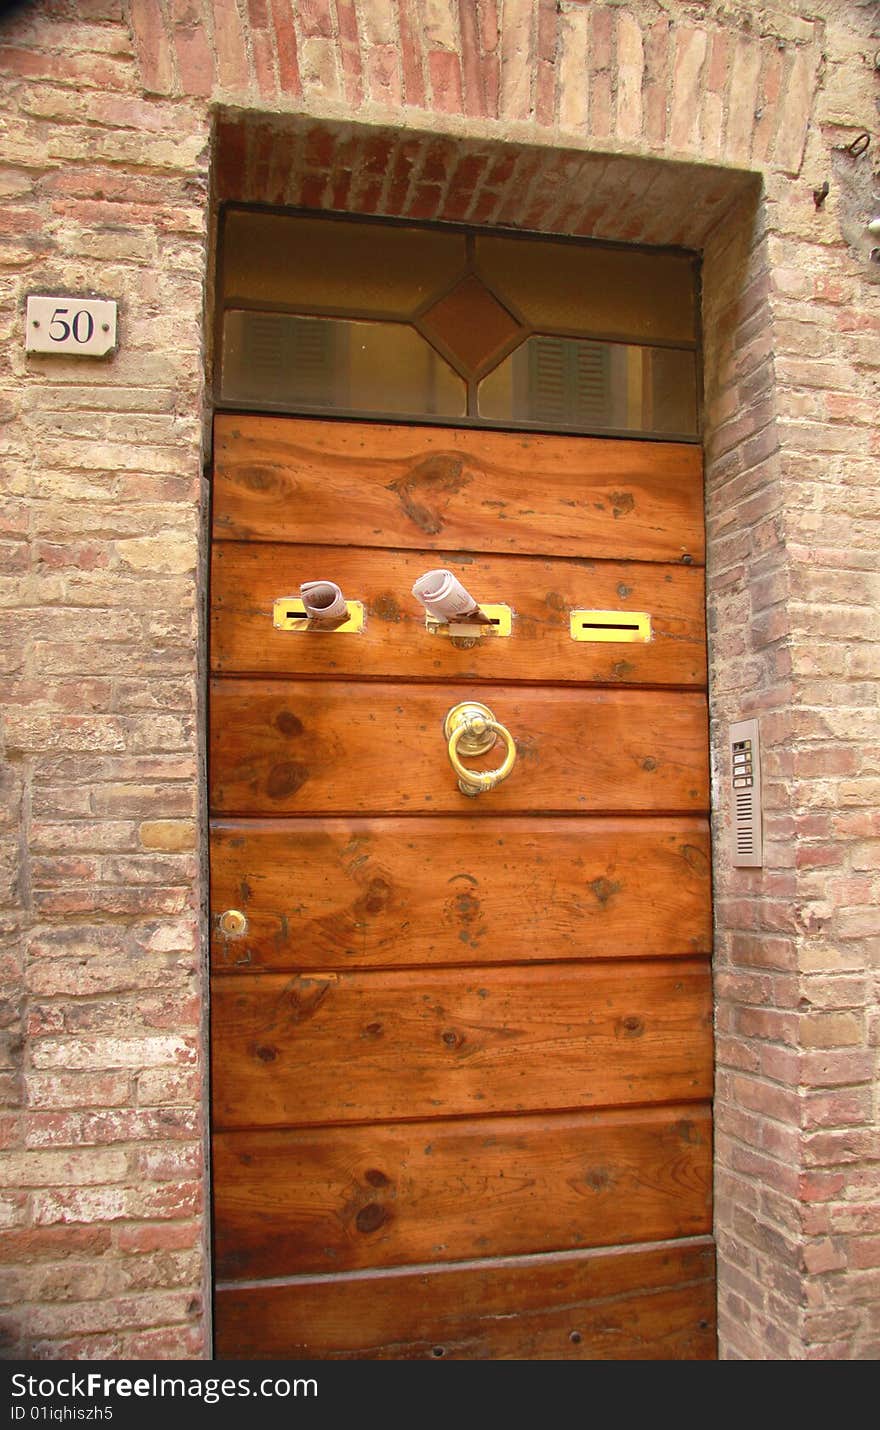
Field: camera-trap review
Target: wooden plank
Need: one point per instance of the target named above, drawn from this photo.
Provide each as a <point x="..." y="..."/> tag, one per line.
<point x="248" y="577"/>
<point x="339" y="1199"/>
<point x="338" y="483"/>
<point x="654" y="1303"/>
<point x="349" y="893"/>
<point x="354" y="1047"/>
<point x="281" y="747"/>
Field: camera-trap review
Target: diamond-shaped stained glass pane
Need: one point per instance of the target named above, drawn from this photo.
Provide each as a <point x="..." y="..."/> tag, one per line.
<point x="469" y="324"/>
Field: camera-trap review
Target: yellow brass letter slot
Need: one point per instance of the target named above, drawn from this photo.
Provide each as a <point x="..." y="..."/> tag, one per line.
<point x="288" y="614"/>
<point x="498" y="622"/>
<point x="610" y="626"/>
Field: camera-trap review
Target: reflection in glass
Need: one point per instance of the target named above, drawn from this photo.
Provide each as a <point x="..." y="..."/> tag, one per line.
<point x="277" y="360"/>
<point x="592" y="386"/>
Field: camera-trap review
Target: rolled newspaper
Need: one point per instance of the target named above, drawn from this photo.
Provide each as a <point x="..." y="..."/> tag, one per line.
<point x="443" y="596"/>
<point x="324" y="604"/>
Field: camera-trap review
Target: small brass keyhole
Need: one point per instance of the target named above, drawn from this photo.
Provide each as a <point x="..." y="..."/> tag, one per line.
<point x="233" y="923"/>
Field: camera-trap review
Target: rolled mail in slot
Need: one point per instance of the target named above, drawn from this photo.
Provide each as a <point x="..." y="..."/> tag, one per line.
<point x="324" y="604"/>
<point x="290" y="613"/>
<point x="445" y="599"/>
<point x="610" y="626"/>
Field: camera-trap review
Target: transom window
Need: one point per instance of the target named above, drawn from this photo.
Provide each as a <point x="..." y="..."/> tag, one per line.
<point x="354" y="317"/>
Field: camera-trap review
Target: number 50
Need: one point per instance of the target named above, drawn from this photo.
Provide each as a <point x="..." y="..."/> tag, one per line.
<point x="80" y="327"/>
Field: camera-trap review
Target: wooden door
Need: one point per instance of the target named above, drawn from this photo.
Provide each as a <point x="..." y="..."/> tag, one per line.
<point x="463" y="1045"/>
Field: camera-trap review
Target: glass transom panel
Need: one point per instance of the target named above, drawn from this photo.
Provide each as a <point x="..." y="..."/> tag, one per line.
<point x="470" y="324"/>
<point x="295" y="364"/>
<point x="610" y="292"/>
<point x="375" y="270"/>
<point x="361" y="318"/>
<point x="554" y="382"/>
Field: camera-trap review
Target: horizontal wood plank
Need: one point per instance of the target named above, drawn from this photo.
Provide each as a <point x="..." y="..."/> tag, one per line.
<point x="287" y="747"/>
<point x="248" y="577"/>
<point x="637" y="1304"/>
<point x="352" y="1047"/>
<point x="370" y="484"/>
<point x="335" y="1199"/>
<point x="348" y="893"/>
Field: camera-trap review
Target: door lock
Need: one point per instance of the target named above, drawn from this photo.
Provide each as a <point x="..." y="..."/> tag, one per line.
<point x="233" y="923"/>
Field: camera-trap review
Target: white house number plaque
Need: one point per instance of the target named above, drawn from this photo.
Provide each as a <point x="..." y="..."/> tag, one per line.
<point x="75" y="327"/>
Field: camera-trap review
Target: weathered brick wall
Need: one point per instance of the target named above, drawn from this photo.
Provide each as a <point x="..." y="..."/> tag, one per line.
<point x="103" y="1191"/>
<point x="792" y="324"/>
<point x="527" y="112"/>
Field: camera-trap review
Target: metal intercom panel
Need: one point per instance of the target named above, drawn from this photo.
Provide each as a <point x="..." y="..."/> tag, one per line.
<point x="745" y="776"/>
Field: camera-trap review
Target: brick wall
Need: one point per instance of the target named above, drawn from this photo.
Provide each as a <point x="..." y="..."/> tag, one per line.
<point x="102" y="1202"/>
<point x="709" y="125"/>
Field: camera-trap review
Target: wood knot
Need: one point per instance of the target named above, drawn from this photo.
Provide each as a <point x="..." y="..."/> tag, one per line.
<point x="370" y="1217"/>
<point x="288" y="723"/>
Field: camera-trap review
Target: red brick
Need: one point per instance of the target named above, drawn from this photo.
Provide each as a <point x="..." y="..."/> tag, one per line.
<point x="285" y="43"/>
<point x="232" y="65"/>
<point x="767" y="1098"/>
<point x="767" y="1023"/>
<point x="172" y="1200"/>
<point x="601" y="36"/>
<point x="795" y="111"/>
<point x="176" y="1163"/>
<point x="474" y="101"/>
<point x="152" y="46"/>
<point x="59" y="1129"/>
<point x="41" y="1243"/>
<point x="195" y="57"/>
<point x="168" y="1087"/>
<point x="184" y="1342"/>
<point x="158" y="1236"/>
<point x="489" y="44"/>
<point x="316" y="18"/>
<point x="263" y="58"/>
<point x="865" y="1252"/>
<point x="600" y="118"/>
<point x="86" y="71"/>
<point x="820" y="856"/>
<point x="444" y="69"/>
<point x="655" y="87"/>
<point x="426" y="202"/>
<point x="824" y="1255"/>
<point x="412" y="57"/>
<point x="547" y="42"/>
<point x="483" y="207"/>
<point x="402" y="169"/>
<point x="78" y="1089"/>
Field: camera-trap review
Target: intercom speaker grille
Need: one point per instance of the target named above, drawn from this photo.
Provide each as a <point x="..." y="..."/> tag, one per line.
<point x="745" y="779"/>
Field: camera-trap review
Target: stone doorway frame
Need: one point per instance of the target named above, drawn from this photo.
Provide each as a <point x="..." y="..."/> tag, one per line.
<point x="299" y="162"/>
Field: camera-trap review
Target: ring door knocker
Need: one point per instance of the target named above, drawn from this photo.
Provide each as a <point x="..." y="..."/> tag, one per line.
<point x="471" y="729"/>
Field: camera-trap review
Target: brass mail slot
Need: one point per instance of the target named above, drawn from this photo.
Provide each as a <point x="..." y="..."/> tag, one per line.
<point x="610" y="626"/>
<point x="500" y="623"/>
<point x="288" y="614"/>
